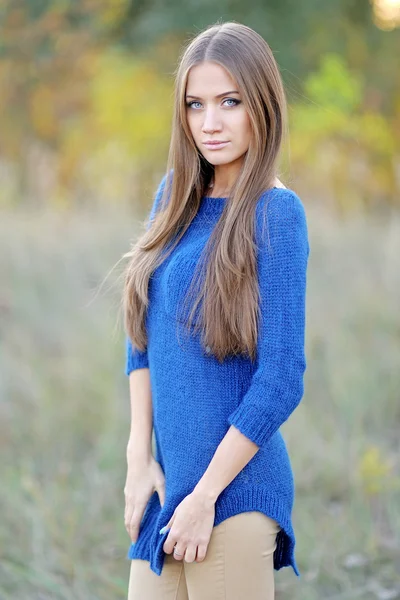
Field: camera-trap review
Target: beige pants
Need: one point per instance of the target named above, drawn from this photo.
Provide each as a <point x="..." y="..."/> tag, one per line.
<point x="238" y="565"/>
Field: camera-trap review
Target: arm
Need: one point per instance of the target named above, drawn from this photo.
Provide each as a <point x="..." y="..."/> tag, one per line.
<point x="277" y="384"/>
<point x="134" y="358"/>
<point x="139" y="443"/>
<point x="139" y="383"/>
<point x="232" y="455"/>
<point x="144" y="474"/>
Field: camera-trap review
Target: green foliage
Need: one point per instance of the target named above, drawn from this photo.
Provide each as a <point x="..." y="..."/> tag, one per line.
<point x="84" y="88"/>
<point x="334" y="87"/>
<point x="339" y="141"/>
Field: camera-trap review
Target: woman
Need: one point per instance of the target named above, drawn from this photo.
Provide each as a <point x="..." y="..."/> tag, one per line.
<point x="214" y="308"/>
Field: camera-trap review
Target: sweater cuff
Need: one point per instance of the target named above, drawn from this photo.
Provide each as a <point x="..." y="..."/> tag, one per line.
<point x="135" y="359"/>
<point x="264" y="408"/>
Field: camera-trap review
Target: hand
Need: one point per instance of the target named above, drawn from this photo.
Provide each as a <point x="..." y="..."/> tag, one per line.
<point x="143" y="478"/>
<point x="190" y="528"/>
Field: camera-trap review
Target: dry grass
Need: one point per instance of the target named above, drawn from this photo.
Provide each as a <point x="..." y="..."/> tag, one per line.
<point x="65" y="411"/>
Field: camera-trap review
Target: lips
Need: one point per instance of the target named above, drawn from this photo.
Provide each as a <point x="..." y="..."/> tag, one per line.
<point x="215" y="145"/>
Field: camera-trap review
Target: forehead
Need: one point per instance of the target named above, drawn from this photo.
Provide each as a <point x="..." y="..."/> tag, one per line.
<point x="209" y="79"/>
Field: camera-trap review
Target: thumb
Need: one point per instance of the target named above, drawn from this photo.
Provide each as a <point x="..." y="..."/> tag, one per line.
<point x="168" y="525"/>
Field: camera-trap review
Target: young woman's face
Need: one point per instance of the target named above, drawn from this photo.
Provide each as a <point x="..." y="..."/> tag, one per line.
<point x="215" y="113"/>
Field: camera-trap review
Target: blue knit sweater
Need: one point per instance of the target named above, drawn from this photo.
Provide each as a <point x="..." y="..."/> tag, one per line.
<point x="196" y="399"/>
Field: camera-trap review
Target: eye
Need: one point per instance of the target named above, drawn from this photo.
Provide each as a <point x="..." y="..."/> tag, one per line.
<point x="236" y="102"/>
<point x="190" y="104"/>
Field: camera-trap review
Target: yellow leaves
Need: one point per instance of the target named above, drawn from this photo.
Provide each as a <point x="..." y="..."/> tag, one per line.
<point x="375" y="132"/>
<point x="131" y="102"/>
<point x="125" y="125"/>
<point x="43" y="111"/>
<point x="112" y="11"/>
<point x="375" y="472"/>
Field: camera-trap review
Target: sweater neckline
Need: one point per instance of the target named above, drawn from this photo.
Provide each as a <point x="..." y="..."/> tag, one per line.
<point x="217" y="202"/>
<point x="212" y="205"/>
<point x="216" y="198"/>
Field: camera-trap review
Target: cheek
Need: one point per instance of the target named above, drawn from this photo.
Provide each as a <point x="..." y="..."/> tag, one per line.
<point x="191" y="123"/>
<point x="244" y="128"/>
<point x="242" y="121"/>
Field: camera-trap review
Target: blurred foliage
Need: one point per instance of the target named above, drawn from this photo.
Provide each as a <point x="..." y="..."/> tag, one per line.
<point x="354" y="148"/>
<point x="85" y="111"/>
<point x="86" y="95"/>
<point x="376" y="472"/>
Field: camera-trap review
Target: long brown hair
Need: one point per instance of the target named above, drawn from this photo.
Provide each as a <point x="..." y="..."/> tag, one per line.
<point x="228" y="295"/>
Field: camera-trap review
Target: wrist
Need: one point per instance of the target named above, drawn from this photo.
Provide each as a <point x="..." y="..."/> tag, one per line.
<point x="208" y="494"/>
<point x="138" y="453"/>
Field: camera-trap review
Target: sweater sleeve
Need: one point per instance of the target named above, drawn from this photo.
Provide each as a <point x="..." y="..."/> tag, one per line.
<point x="277" y="387"/>
<point x="135" y="358"/>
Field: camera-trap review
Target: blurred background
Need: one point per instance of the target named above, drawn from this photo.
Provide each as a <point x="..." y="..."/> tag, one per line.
<point x="85" y="114"/>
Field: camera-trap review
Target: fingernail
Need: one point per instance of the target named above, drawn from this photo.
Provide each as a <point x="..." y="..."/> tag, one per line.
<point x="163" y="529"/>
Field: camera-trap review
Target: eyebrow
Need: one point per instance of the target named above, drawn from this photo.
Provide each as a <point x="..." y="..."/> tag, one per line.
<point x="219" y="95"/>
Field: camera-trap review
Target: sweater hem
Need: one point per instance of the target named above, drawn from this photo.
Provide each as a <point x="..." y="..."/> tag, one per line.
<point x="227" y="505"/>
<point x="260" y="499"/>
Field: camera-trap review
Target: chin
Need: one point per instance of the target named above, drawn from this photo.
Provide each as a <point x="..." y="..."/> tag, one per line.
<point x="219" y="160"/>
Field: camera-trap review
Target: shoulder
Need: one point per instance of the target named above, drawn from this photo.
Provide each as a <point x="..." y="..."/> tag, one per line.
<point x="160" y="200"/>
<point x="161" y="186"/>
<point x="281" y="203"/>
<point x="280" y="214"/>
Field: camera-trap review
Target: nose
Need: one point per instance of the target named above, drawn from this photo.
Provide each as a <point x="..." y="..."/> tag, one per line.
<point x="211" y="121"/>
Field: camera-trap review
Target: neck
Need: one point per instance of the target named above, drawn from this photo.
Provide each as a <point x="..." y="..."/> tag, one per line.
<point x="224" y="178"/>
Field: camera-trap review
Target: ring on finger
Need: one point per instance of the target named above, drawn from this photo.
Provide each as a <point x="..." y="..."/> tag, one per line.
<point x="176" y="553"/>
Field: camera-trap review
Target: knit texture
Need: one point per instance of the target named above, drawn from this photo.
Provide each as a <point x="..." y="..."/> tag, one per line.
<point x="196" y="399"/>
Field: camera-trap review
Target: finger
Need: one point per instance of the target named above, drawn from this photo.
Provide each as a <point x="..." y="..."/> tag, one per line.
<point x="134" y="531"/>
<point x="179" y="551"/>
<point x="129" y="508"/>
<point x="201" y="552"/>
<point x="190" y="553"/>
<point x="170" y="542"/>
<point x="168" y="525"/>
<point x="135" y="523"/>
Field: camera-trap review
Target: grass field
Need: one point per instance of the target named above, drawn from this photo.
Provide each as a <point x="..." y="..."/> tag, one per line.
<point x="65" y="411"/>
